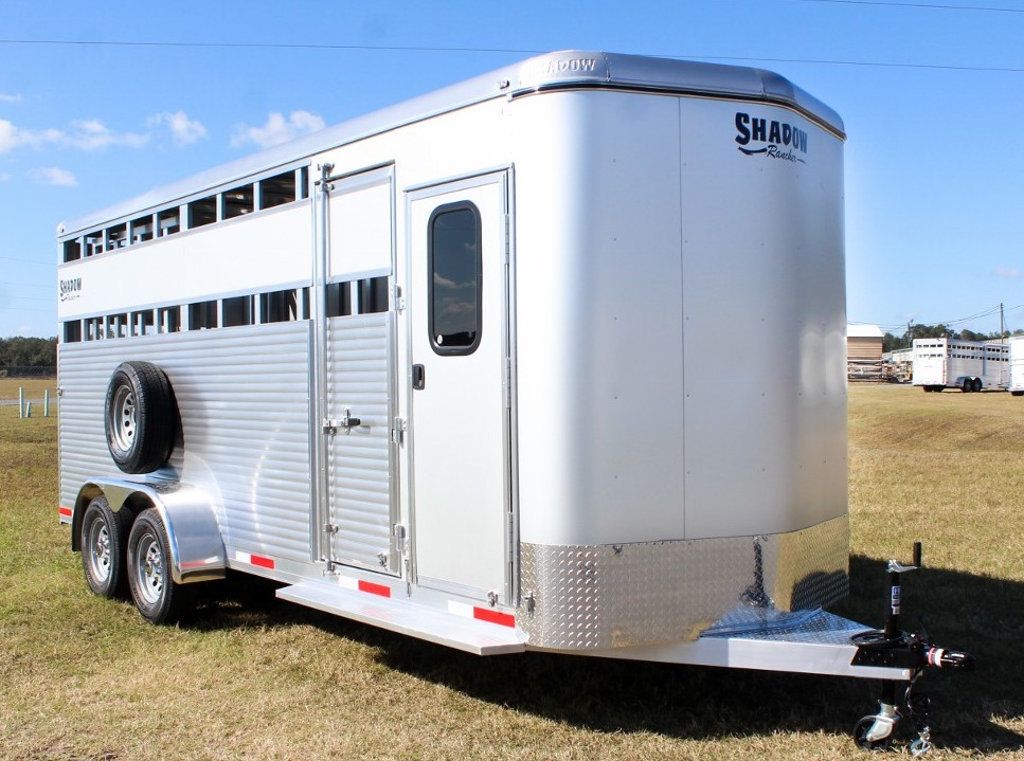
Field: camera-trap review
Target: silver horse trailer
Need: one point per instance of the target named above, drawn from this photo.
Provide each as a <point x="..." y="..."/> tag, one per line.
<point x="1016" y="383"/>
<point x="447" y="369"/>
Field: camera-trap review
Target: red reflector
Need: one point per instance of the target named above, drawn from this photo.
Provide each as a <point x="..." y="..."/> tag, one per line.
<point x="374" y="589"/>
<point x="65" y="511"/>
<point x="494" y="617"/>
<point x="261" y="561"/>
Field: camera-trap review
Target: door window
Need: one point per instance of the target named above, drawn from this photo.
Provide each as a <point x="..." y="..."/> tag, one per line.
<point x="455" y="279"/>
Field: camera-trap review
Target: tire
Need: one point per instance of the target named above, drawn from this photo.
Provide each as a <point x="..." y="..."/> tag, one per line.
<point x="102" y="539"/>
<point x="938" y="389"/>
<point x="1017" y="393"/>
<point x="860" y="732"/>
<point x="977" y="385"/>
<point x="928" y="389"/>
<point x="158" y="599"/>
<point x="140" y="418"/>
<point x="967" y="386"/>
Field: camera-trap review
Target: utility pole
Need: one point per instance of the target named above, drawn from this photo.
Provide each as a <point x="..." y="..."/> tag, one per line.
<point x="1002" y="326"/>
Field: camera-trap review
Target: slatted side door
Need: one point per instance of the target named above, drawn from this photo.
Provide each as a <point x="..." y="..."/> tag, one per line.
<point x="359" y="454"/>
<point x="359" y="393"/>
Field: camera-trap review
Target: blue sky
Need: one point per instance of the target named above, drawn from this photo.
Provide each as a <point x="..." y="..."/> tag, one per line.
<point x="934" y="162"/>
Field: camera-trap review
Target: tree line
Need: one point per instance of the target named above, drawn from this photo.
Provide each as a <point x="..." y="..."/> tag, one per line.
<point x="905" y="341"/>
<point x="28" y="352"/>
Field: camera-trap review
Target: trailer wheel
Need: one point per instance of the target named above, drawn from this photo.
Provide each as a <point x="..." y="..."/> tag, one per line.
<point x="967" y="386"/>
<point x="102" y="539"/>
<point x="1017" y="393"/>
<point x="139" y="417"/>
<point x="154" y="592"/>
<point x="976" y="385"/>
<point x="860" y="735"/>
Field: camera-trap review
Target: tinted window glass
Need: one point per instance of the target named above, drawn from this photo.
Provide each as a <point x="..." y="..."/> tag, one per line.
<point x="373" y="295"/>
<point x="202" y="315"/>
<point x="339" y="300"/>
<point x="280" y="306"/>
<point x="455" y="278"/>
<point x="238" y="311"/>
<point x="72" y="331"/>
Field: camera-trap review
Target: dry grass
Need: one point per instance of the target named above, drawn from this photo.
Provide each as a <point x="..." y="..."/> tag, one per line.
<point x="34" y="388"/>
<point x="84" y="678"/>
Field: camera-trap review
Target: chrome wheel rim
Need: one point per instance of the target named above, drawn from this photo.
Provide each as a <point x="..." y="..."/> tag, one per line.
<point x="98" y="543"/>
<point x="149" y="570"/>
<point x="123" y="418"/>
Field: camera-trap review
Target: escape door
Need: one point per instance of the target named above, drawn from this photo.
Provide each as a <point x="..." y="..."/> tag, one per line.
<point x="459" y="350"/>
<point x="357" y="388"/>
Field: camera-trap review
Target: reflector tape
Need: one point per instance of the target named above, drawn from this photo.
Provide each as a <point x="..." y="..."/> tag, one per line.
<point x="489" y="615"/>
<point x="64" y="511"/>
<point x="374" y="589"/>
<point x="359" y="585"/>
<point x="494" y="617"/>
<point x="257" y="560"/>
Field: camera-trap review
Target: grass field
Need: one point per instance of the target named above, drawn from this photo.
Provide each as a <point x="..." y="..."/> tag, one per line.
<point x="85" y="678"/>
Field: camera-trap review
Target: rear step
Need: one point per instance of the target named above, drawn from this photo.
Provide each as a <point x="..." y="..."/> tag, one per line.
<point x="468" y="634"/>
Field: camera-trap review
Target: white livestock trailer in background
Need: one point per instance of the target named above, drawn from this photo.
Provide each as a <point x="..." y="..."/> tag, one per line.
<point x="443" y="369"/>
<point x="941" y="363"/>
<point x="1016" y="384"/>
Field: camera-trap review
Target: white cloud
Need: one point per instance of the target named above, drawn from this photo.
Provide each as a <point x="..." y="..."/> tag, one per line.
<point x="9" y="98"/>
<point x="1008" y="272"/>
<point x="12" y="137"/>
<point x="53" y="175"/>
<point x="277" y="129"/>
<point x="88" y="135"/>
<point x="184" y="131"/>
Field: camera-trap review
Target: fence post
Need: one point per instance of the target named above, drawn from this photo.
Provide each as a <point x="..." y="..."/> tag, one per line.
<point x="46" y="402"/>
<point x="21" y="402"/>
<point x="28" y="409"/>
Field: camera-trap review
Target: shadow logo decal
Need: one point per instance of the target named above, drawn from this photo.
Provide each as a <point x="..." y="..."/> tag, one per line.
<point x="762" y="137"/>
<point x="71" y="289"/>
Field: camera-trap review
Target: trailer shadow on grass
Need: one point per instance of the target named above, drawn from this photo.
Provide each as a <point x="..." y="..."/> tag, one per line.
<point x="959" y="610"/>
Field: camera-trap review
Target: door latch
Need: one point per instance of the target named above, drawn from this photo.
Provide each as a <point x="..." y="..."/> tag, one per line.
<point x="347" y="423"/>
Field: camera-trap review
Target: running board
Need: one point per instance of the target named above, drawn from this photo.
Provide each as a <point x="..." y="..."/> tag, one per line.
<point x="439" y="627"/>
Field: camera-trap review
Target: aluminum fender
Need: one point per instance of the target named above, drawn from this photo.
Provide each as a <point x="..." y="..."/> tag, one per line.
<point x="197" y="549"/>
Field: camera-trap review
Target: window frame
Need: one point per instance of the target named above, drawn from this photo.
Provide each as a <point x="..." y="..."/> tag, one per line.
<point x="440" y="349"/>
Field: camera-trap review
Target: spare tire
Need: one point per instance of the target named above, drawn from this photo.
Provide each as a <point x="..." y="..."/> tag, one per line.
<point x="140" y="417"/>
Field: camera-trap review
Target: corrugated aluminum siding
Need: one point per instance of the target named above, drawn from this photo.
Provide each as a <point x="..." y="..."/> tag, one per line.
<point x="243" y="396"/>
<point x="359" y="462"/>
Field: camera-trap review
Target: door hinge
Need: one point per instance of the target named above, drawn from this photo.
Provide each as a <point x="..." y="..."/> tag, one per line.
<point x="508" y="383"/>
<point x="398" y="299"/>
<point x="330" y="528"/>
<point x="508" y="236"/>
<point x="398" y="431"/>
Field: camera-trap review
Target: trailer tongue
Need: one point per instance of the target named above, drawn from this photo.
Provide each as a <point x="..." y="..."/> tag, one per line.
<point x="823" y="643"/>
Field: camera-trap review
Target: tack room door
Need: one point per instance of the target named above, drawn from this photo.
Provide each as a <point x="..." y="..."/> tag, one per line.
<point x="459" y="375"/>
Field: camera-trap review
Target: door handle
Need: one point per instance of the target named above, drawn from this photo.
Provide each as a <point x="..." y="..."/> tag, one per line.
<point x="419" y="377"/>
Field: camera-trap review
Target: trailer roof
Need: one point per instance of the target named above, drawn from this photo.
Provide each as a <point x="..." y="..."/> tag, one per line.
<point x="566" y="69"/>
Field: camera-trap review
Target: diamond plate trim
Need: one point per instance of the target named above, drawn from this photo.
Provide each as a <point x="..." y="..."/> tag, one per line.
<point x="590" y="597"/>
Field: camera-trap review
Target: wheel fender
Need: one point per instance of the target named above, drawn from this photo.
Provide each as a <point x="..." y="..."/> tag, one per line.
<point x="197" y="548"/>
